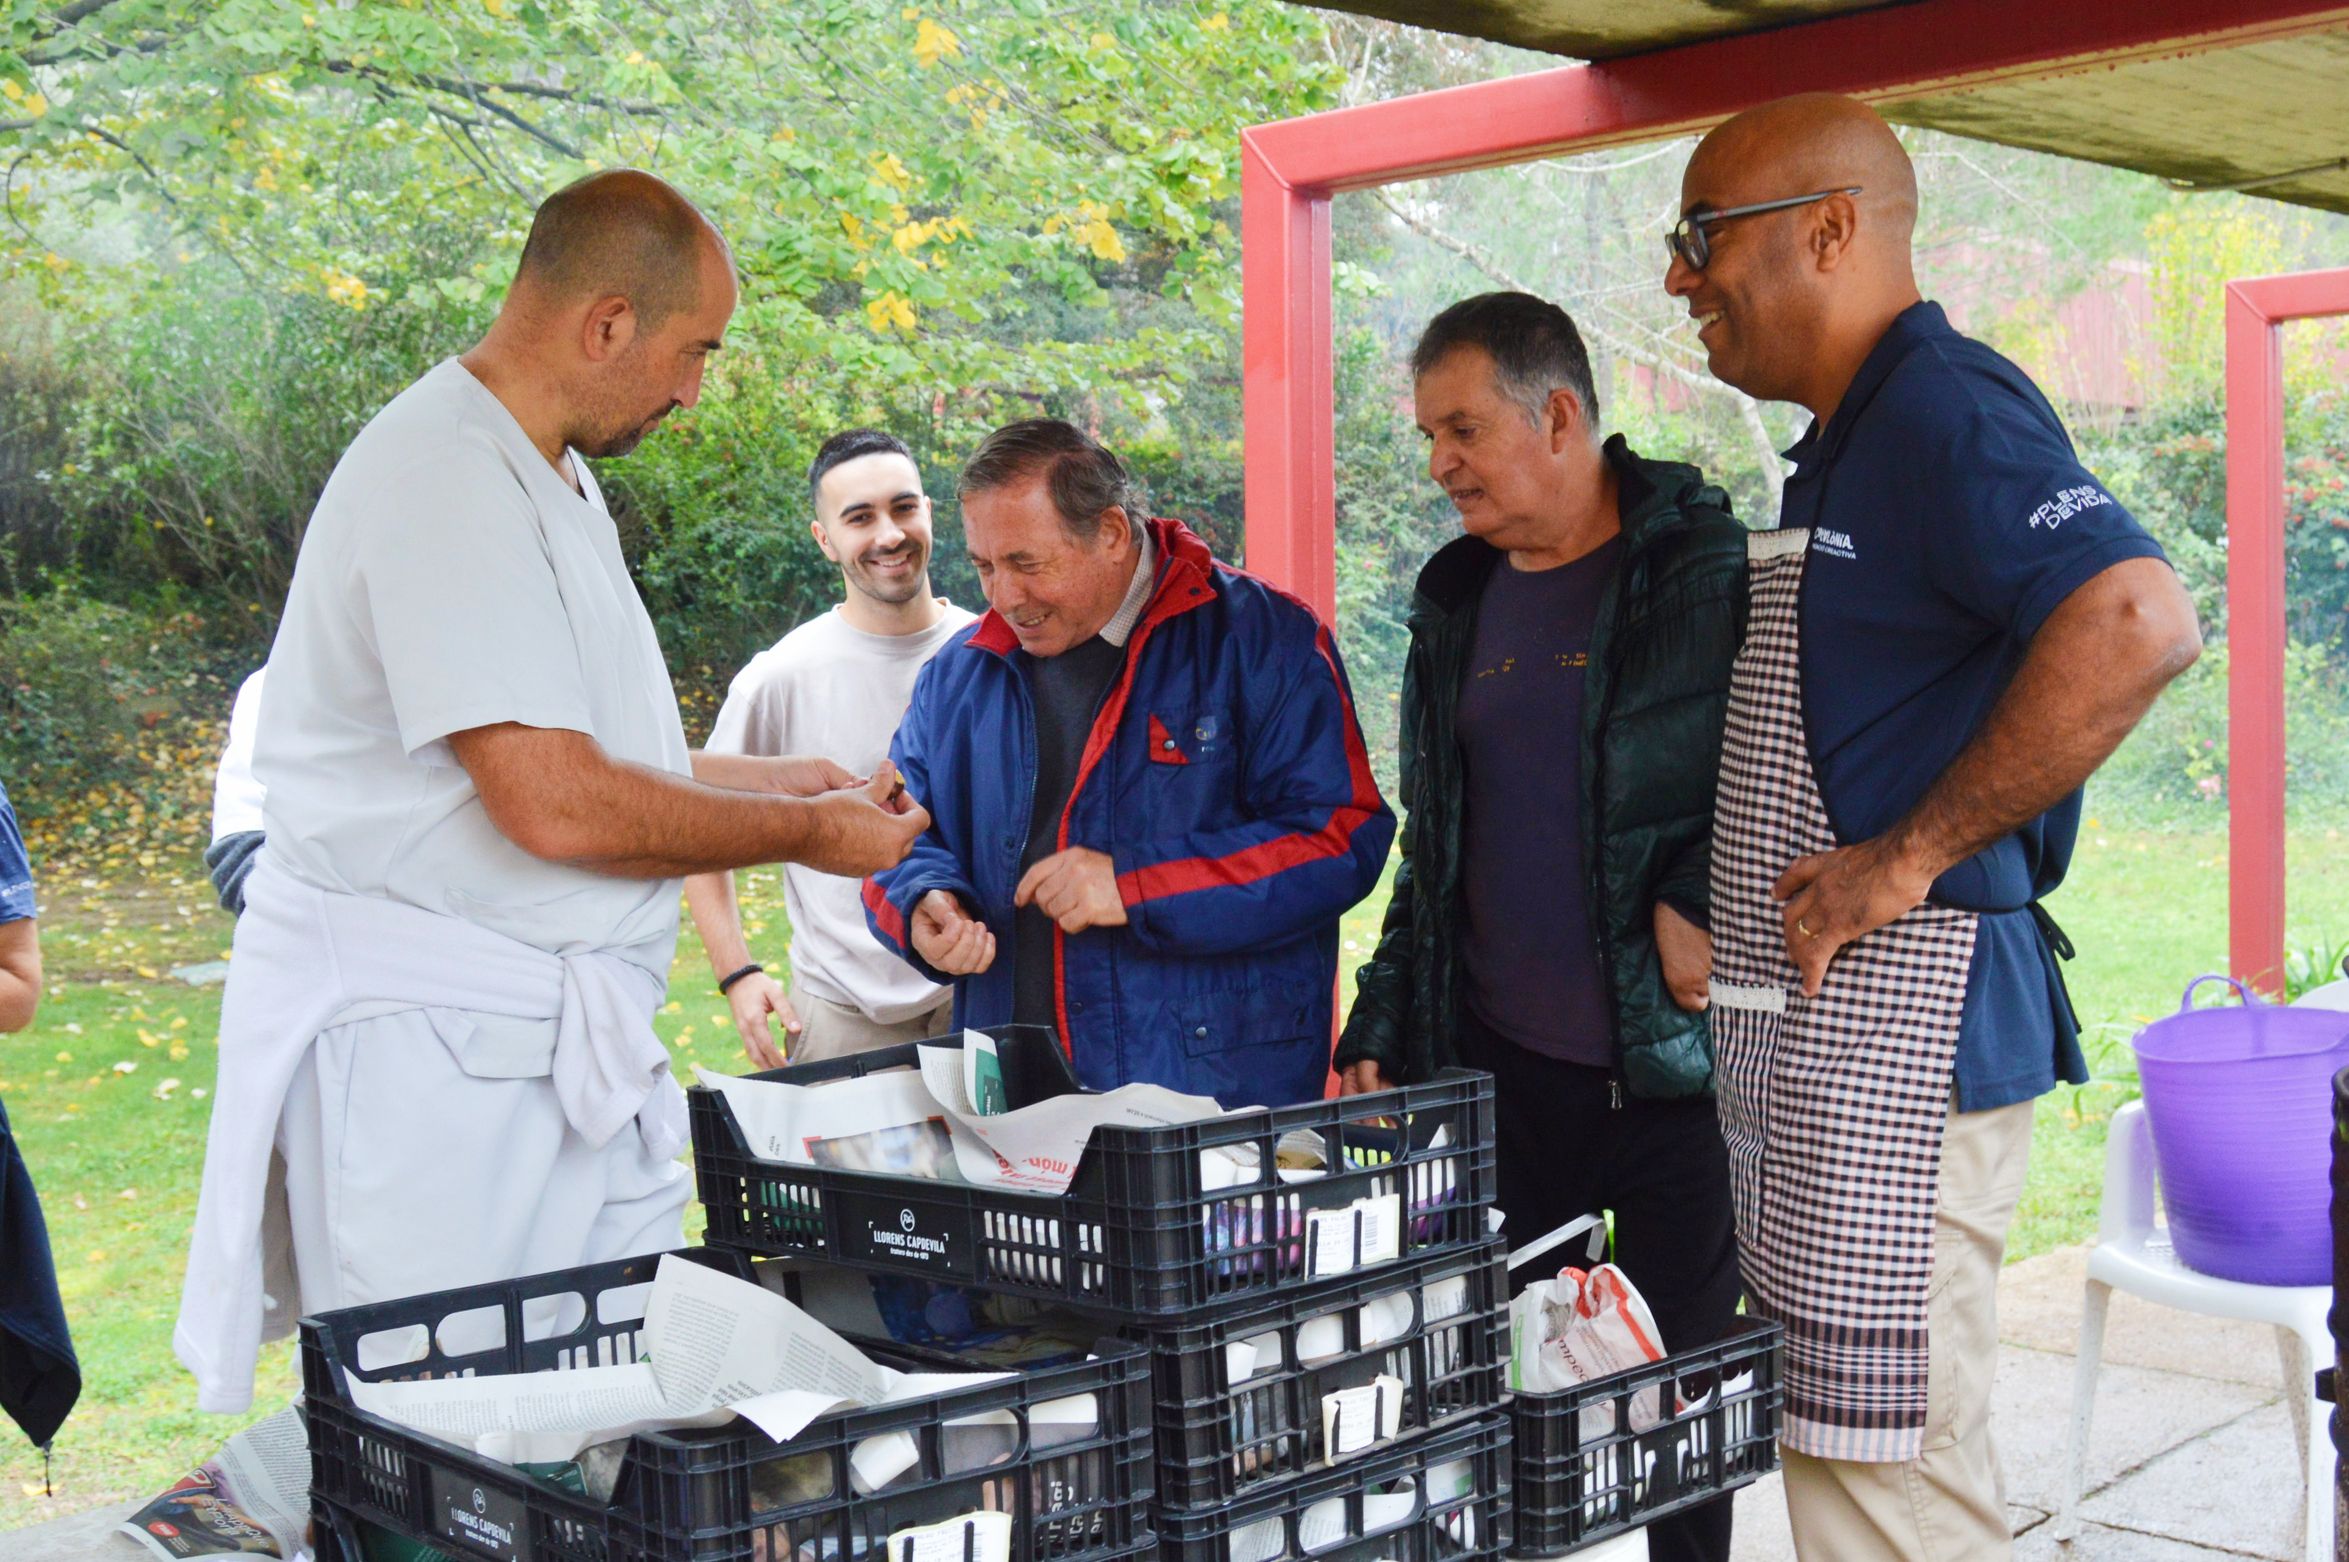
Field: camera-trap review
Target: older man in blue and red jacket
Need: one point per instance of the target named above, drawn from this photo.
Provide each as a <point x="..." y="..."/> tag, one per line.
<point x="1150" y="800"/>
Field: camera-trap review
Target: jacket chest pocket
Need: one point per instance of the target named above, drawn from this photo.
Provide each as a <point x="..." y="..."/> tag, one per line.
<point x="1192" y="775"/>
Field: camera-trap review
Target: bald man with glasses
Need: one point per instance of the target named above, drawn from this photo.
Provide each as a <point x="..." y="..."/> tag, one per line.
<point x="1952" y="626"/>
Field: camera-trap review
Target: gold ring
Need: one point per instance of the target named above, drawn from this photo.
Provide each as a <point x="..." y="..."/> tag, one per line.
<point x="1804" y="928"/>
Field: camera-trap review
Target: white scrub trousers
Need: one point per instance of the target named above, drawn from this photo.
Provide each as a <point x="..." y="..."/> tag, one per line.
<point x="425" y="1149"/>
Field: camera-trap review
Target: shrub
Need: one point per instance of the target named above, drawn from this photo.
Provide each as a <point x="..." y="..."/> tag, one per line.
<point x="2174" y="766"/>
<point x="102" y="709"/>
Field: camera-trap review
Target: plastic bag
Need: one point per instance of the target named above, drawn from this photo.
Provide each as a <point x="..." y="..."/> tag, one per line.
<point x="1580" y="1326"/>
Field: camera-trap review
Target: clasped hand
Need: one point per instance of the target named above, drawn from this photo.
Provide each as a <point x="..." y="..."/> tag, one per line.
<point x="1076" y="888"/>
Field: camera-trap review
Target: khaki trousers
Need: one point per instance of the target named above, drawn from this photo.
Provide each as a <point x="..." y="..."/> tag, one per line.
<point x="1949" y="1503"/>
<point x="830" y="1030"/>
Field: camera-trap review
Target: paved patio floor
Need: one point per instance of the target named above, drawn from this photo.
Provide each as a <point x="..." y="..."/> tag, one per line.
<point x="2191" y="1457"/>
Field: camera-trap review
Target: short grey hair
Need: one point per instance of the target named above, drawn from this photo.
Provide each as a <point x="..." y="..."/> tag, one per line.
<point x="1082" y="475"/>
<point x="620" y="231"/>
<point x="1533" y="344"/>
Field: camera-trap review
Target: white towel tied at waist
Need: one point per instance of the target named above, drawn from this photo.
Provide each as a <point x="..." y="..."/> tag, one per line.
<point x="302" y="956"/>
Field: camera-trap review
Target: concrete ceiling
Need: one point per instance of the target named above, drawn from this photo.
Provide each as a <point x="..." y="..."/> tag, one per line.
<point x="2226" y="116"/>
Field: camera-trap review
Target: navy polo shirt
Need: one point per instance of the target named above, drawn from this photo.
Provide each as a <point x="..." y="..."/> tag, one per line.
<point x="1948" y="517"/>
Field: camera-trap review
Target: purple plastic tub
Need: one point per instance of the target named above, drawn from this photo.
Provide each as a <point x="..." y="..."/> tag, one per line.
<point x="2240" y="1104"/>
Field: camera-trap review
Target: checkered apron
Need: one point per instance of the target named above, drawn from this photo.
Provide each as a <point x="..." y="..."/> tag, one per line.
<point x="1832" y="1106"/>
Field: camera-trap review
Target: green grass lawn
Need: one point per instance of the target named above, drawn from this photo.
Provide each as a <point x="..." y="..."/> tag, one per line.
<point x="109" y="1096"/>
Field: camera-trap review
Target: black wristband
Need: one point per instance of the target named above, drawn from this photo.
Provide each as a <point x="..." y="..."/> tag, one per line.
<point x="731" y="977"/>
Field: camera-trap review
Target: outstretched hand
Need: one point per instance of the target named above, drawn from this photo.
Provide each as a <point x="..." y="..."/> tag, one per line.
<point x="864" y="829"/>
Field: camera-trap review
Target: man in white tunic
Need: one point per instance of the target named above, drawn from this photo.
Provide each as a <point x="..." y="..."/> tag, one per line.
<point x="438" y="1066"/>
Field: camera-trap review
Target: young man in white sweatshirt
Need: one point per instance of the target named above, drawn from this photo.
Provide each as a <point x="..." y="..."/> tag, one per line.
<point x="836" y="686"/>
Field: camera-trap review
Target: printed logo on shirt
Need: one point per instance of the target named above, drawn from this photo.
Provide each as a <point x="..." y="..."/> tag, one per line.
<point x="2067" y="504"/>
<point x="1508" y="664"/>
<point x="1835" y="544"/>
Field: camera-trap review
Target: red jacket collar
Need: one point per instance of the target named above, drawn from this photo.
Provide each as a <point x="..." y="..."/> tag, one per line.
<point x="1186" y="579"/>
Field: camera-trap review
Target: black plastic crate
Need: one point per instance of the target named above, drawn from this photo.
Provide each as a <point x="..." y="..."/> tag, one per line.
<point x="719" y="1494"/>
<point x="1644" y="1457"/>
<point x="1224" y="1432"/>
<point x="1272" y="1525"/>
<point x="1139" y="1233"/>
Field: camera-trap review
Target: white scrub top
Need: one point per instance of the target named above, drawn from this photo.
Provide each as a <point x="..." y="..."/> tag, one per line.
<point x="451" y="579"/>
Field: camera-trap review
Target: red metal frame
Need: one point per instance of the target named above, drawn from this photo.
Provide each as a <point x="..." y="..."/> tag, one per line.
<point x="2256" y="311"/>
<point x="1291" y="168"/>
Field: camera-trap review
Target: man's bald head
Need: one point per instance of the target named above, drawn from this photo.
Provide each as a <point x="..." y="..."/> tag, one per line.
<point x="623" y="293"/>
<point x="621" y="232"/>
<point x="1815" y="141"/>
<point x="1807" y="208"/>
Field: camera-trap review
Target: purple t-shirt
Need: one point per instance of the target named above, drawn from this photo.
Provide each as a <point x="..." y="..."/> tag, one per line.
<point x="1531" y="953"/>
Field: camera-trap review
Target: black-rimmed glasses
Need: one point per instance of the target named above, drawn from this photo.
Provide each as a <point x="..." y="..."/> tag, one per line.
<point x="1687" y="238"/>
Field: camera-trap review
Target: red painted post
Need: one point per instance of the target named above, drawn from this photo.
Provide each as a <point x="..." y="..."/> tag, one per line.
<point x="2255" y="644"/>
<point x="2256" y="309"/>
<point x="1290" y="494"/>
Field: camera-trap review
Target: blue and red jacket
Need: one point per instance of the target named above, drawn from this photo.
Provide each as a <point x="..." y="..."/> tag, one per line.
<point x="1226" y="778"/>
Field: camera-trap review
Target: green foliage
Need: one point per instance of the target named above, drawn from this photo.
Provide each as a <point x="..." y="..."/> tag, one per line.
<point x="75" y="682"/>
<point x="1391" y="517"/>
<point x="96" y="705"/>
<point x="2170" y="469"/>
<point x="2174" y="766"/>
<point x="2308" y="966"/>
<point x="907" y="189"/>
<point x="204" y="433"/>
<point x="249" y="223"/>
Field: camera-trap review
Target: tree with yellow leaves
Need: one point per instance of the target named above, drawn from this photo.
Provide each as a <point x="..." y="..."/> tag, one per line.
<point x="945" y="213"/>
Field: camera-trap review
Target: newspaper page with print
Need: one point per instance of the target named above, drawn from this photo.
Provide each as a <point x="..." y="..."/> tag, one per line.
<point x="250" y="1499"/>
<point x="1035" y="1148"/>
<point x="718" y="1347"/>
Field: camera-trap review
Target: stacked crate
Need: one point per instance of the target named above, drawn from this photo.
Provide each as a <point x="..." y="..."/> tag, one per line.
<point x="382" y="1492"/>
<point x="1327" y="1346"/>
<point x="1292" y="1361"/>
<point x="1601" y="1458"/>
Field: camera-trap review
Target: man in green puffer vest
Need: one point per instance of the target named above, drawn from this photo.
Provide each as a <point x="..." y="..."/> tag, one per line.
<point x="1561" y="729"/>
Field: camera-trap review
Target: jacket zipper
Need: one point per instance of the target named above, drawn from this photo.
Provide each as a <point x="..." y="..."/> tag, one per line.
<point x="1019" y="847"/>
<point x="1112" y="712"/>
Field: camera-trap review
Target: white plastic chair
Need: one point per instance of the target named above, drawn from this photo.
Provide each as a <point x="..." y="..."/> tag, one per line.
<point x="2133" y="1254"/>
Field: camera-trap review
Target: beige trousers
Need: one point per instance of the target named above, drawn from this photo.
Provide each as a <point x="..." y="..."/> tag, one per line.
<point x="1949" y="1503"/>
<point x="830" y="1030"/>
